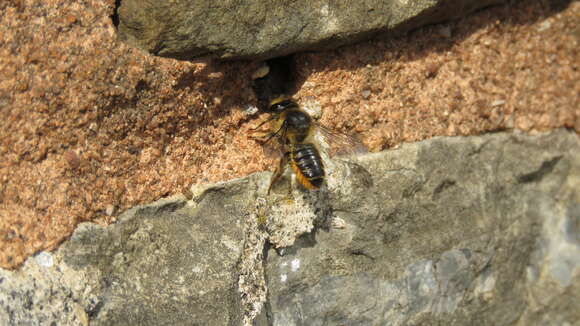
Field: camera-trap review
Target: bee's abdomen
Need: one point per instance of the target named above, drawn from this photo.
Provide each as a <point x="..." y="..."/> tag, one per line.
<point x="307" y="164"/>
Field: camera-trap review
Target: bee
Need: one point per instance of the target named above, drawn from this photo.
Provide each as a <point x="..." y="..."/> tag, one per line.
<point x="301" y="141"/>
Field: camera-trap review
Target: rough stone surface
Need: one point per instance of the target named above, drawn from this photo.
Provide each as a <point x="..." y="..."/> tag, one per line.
<point x="462" y="231"/>
<point x="449" y="231"/>
<point x="186" y="29"/>
<point x="170" y="263"/>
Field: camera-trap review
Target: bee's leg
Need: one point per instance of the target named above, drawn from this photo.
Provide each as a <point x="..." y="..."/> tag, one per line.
<point x="279" y="171"/>
<point x="265" y="137"/>
<point x="261" y="136"/>
<point x="263" y="123"/>
<point x="290" y="184"/>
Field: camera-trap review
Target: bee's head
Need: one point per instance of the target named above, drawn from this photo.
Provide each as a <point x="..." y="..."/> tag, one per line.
<point x="281" y="104"/>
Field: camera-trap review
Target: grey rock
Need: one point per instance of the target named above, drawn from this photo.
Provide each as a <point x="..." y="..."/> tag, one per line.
<point x="169" y="263"/>
<point x="185" y="29"/>
<point x="39" y="295"/>
<point x="450" y="231"/>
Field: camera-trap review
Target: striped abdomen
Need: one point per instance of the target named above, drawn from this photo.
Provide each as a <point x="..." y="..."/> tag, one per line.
<point x="307" y="165"/>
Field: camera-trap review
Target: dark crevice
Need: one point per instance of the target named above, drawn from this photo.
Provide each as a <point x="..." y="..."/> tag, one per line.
<point x="169" y="207"/>
<point x="360" y="252"/>
<point x="141" y="86"/>
<point x="92" y="313"/>
<point x="115" y="15"/>
<point x="546" y="168"/>
<point x="444" y="185"/>
<point x="279" y="80"/>
<point x="266" y="314"/>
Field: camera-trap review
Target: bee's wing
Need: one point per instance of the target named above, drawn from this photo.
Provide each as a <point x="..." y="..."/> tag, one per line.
<point x="338" y="144"/>
<point x="274" y="148"/>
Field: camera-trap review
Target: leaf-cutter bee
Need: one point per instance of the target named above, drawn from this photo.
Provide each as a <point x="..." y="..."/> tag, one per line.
<point x="301" y="141"/>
